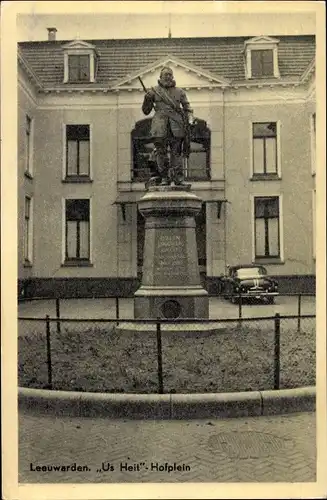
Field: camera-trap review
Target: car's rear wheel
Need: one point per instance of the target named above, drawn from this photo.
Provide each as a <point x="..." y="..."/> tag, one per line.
<point x="271" y="300"/>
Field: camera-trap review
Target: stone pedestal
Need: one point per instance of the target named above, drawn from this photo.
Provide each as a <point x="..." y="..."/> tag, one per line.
<point x="171" y="285"/>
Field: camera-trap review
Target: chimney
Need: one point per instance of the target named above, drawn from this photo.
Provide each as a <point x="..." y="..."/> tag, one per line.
<point x="52" y="34"/>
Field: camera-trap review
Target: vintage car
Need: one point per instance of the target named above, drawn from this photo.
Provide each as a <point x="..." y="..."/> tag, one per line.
<point x="249" y="282"/>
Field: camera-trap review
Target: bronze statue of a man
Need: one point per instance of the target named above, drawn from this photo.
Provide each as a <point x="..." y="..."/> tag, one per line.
<point x="169" y="126"/>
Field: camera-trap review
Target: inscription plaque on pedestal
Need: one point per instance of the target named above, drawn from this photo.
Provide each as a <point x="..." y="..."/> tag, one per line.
<point x="170" y="261"/>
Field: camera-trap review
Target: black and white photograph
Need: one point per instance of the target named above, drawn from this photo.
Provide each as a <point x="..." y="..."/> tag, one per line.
<point x="163" y="311"/>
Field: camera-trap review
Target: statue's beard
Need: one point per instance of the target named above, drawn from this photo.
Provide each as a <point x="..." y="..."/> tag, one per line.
<point x="167" y="82"/>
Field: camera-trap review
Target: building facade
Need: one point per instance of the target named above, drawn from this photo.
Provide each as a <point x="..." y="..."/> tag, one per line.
<point x="84" y="149"/>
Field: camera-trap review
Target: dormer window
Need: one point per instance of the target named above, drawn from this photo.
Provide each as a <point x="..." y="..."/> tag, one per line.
<point x="80" y="62"/>
<point x="261" y="58"/>
<point x="79" y="68"/>
<point x="262" y="63"/>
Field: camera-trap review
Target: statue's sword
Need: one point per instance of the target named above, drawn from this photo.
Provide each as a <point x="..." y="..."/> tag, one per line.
<point x="143" y="86"/>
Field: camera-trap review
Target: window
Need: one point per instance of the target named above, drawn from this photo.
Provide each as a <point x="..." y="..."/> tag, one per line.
<point x="262" y="63"/>
<point x="264" y="149"/>
<point x="267" y="227"/>
<point x="197" y="166"/>
<point x="77" y="151"/>
<point x="79" y="68"/>
<point x="77" y="217"/>
<point x="28" y="142"/>
<point x="80" y="62"/>
<point x="250" y="272"/>
<point x="144" y="165"/>
<point x="261" y="57"/>
<point x="28" y="230"/>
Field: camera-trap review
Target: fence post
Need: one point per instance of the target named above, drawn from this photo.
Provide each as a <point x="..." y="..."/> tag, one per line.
<point x="159" y="356"/>
<point x="48" y="352"/>
<point x="117" y="309"/>
<point x="277" y="351"/>
<point x="240" y="309"/>
<point x="58" y="315"/>
<point x="299" y="312"/>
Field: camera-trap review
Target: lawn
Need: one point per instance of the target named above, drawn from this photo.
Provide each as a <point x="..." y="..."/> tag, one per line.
<point x="231" y="359"/>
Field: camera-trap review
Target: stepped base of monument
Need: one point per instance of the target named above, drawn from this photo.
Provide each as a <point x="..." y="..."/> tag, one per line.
<point x="171" y="302"/>
<point x="188" y="329"/>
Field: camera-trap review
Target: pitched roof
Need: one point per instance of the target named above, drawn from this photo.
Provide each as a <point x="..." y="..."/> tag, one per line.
<point x="118" y="59"/>
<point x="167" y="61"/>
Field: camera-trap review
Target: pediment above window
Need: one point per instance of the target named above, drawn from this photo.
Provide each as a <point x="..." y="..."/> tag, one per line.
<point x="80" y="62"/>
<point x="266" y="40"/>
<point x="261" y="57"/>
<point x="185" y="74"/>
<point x="78" y="45"/>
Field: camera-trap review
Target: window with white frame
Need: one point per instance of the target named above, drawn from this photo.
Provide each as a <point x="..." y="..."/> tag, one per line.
<point x="28" y="145"/>
<point x="79" y="68"/>
<point x="264" y="145"/>
<point x="28" y="230"/>
<point x="261" y="57"/>
<point x="197" y="164"/>
<point x="262" y="63"/>
<point x="77" y="230"/>
<point x="80" y="62"/>
<point x="77" y="151"/>
<point x="267" y="227"/>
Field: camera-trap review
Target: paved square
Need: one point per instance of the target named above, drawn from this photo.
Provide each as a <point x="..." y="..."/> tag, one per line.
<point x="256" y="449"/>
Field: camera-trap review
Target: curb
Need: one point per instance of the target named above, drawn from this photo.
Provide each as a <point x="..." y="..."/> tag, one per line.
<point x="289" y="400"/>
<point x="167" y="406"/>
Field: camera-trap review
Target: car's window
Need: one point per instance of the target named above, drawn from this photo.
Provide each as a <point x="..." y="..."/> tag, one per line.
<point x="251" y="272"/>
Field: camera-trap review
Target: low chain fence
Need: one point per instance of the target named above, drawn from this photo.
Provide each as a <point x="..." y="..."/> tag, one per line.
<point x="166" y="356"/>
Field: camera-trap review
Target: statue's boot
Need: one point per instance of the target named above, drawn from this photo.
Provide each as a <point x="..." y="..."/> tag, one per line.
<point x="177" y="173"/>
<point x="182" y="184"/>
<point x="162" y="169"/>
<point x="154" y="180"/>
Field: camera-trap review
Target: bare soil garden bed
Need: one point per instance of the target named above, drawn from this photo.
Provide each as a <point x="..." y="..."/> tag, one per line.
<point x="231" y="359"/>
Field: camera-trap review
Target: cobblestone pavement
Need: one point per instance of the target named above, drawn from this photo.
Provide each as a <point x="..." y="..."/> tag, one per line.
<point x="254" y="449"/>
